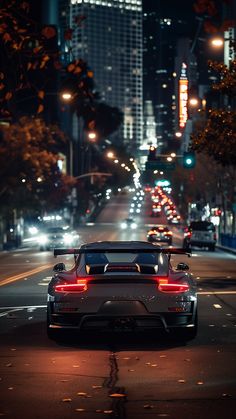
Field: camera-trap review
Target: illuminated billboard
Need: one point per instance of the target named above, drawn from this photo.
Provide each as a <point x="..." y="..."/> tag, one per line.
<point x="183" y="96"/>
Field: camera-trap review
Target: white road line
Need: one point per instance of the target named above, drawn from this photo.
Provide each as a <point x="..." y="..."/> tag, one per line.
<point x="217" y="306"/>
<point x="22" y="307"/>
<point x="9" y="311"/>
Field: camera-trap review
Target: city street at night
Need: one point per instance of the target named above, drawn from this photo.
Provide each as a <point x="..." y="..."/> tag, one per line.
<point x="148" y="375"/>
<point x="118" y="209"/>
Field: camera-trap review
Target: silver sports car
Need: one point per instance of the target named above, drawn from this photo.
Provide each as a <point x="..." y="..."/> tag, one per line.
<point x="122" y="286"/>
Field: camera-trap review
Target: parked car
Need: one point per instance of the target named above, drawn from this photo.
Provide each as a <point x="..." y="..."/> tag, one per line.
<point x="200" y="234"/>
<point x="122" y="286"/>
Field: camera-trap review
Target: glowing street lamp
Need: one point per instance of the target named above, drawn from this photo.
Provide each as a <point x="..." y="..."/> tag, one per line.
<point x="178" y="134"/>
<point x="66" y="96"/>
<point x="193" y="102"/>
<point x="92" y="136"/>
<point x="217" y="42"/>
<point x="110" y="155"/>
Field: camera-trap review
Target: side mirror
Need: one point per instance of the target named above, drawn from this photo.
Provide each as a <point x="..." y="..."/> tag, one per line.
<point x="59" y="267"/>
<point x="182" y="266"/>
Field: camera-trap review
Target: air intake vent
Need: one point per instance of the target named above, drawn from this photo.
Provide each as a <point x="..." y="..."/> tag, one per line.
<point x="122" y="267"/>
<point x="95" y="269"/>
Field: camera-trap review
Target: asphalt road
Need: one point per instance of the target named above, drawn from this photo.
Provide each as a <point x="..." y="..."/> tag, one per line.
<point x="125" y="377"/>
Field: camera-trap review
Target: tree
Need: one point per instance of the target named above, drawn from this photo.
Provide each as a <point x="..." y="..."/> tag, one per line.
<point x="29" y="172"/>
<point x="30" y="70"/>
<point x="217" y="138"/>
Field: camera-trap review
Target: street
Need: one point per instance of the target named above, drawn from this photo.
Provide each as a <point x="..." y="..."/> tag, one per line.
<point x="121" y="376"/>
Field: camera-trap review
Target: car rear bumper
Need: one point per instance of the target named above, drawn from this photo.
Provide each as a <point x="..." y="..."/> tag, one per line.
<point x="108" y="323"/>
<point x="160" y="240"/>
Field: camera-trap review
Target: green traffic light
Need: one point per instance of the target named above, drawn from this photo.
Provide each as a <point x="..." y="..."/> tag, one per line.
<point x="189" y="159"/>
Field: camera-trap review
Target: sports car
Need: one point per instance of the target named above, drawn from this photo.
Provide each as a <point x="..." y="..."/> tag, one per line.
<point x="122" y="286"/>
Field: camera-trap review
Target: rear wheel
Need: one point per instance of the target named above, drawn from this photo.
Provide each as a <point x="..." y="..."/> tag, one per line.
<point x="188" y="333"/>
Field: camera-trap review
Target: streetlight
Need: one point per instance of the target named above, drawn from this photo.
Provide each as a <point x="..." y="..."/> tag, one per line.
<point x="110" y="155"/>
<point x="217" y="42"/>
<point x="193" y="101"/>
<point x="66" y="96"/>
<point x="178" y="134"/>
<point x="92" y="136"/>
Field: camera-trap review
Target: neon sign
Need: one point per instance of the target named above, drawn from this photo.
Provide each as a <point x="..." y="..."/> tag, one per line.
<point x="183" y="96"/>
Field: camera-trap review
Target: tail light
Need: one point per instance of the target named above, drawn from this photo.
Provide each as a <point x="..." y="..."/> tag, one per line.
<point x="188" y="234"/>
<point x="80" y="285"/>
<point x="165" y="285"/>
<point x="169" y="233"/>
<point x="214" y="237"/>
<point x="152" y="232"/>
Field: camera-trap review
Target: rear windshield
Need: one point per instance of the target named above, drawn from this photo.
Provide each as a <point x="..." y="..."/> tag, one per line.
<point x="202" y="226"/>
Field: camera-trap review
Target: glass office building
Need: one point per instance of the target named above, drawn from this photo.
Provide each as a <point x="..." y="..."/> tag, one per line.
<point x="110" y="41"/>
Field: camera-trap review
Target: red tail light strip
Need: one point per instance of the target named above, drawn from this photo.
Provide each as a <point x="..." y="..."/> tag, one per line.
<point x="164" y="285"/>
<point x="79" y="286"/>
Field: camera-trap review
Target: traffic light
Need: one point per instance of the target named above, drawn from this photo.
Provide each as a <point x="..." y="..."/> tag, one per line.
<point x="189" y="159"/>
<point x="152" y="153"/>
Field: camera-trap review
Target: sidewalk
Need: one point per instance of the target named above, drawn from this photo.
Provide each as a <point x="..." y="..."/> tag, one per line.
<point x="226" y="249"/>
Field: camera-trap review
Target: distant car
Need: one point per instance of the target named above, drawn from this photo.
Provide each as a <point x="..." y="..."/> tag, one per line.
<point x="156" y="210"/>
<point x="200" y="234"/>
<point x="122" y="286"/>
<point x="57" y="237"/>
<point x="160" y="234"/>
<point x="128" y="223"/>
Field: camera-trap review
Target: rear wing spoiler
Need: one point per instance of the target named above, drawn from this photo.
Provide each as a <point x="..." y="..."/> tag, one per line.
<point x="169" y="251"/>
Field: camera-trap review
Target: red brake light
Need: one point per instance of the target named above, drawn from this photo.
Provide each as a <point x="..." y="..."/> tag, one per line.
<point x="188" y="234"/>
<point x="164" y="285"/>
<point x="79" y="286"/>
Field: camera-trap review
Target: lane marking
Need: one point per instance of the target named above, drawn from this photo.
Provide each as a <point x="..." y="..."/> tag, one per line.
<point x="216" y="292"/>
<point x="23" y="275"/>
<point x="23" y="307"/>
<point x="217" y="306"/>
<point x="9" y="311"/>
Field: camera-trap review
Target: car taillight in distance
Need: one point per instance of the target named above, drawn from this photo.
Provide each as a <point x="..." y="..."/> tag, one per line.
<point x="80" y="285"/>
<point x="188" y="234"/>
<point x="168" y="286"/>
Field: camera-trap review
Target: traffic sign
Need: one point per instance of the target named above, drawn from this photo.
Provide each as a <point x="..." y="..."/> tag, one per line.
<point x="160" y="165"/>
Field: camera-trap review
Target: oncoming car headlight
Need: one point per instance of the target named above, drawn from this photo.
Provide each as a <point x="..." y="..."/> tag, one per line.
<point x="68" y="238"/>
<point x="123" y="226"/>
<point x="43" y="239"/>
<point x="133" y="226"/>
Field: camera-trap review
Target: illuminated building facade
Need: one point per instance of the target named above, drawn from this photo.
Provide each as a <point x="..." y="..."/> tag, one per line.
<point x="167" y="32"/>
<point x="110" y="41"/>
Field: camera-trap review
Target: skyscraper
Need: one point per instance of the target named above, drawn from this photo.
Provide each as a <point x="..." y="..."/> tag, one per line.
<point x="164" y="24"/>
<point x="110" y="41"/>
